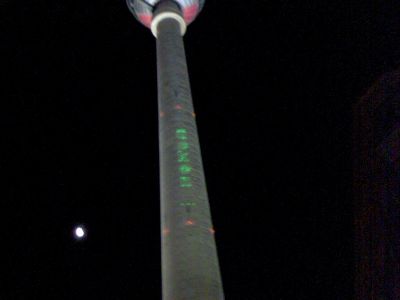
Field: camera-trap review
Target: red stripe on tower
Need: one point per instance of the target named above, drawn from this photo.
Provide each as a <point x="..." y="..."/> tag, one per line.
<point x="190" y="12"/>
<point x="145" y="19"/>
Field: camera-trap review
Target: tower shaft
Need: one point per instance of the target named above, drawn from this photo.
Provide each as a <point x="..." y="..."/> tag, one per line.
<point x="190" y="269"/>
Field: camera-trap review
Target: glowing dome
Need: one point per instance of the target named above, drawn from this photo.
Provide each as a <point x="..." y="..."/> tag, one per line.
<point x="143" y="9"/>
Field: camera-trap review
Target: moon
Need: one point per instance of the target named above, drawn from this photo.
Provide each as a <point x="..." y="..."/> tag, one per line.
<point x="79" y="232"/>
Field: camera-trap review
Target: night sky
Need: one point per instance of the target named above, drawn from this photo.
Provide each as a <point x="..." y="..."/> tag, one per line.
<point x="273" y="85"/>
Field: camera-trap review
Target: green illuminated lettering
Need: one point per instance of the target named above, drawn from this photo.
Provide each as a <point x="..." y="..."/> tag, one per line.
<point x="185" y="169"/>
<point x="183" y="145"/>
<point x="187" y="204"/>
<point x="181" y="130"/>
<point x="183" y="156"/>
<point x="185" y="181"/>
<point x="185" y="185"/>
<point x="181" y="134"/>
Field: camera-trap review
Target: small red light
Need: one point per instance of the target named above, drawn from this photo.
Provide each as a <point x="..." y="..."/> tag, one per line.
<point x="189" y="222"/>
<point x="211" y="230"/>
<point x="178" y="106"/>
<point x="165" y="231"/>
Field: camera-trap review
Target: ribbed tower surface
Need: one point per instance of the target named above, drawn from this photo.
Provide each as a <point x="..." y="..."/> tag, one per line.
<point x="190" y="269"/>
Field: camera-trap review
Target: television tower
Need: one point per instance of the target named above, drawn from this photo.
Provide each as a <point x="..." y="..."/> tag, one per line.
<point x="190" y="269"/>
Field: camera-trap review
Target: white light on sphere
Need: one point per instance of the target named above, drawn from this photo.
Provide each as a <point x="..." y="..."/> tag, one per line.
<point x="79" y="232"/>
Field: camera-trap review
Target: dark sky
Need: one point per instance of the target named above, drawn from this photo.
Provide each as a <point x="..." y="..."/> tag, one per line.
<point x="273" y="83"/>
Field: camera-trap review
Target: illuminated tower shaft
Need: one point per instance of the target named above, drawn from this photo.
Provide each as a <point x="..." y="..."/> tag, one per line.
<point x="190" y="269"/>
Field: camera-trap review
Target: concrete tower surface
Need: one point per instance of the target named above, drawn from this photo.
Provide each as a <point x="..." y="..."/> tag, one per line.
<point x="190" y="269"/>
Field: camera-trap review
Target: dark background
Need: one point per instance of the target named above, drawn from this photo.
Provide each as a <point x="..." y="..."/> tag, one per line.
<point x="273" y="84"/>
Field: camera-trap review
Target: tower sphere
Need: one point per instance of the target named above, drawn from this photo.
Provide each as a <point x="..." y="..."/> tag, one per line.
<point x="143" y="9"/>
